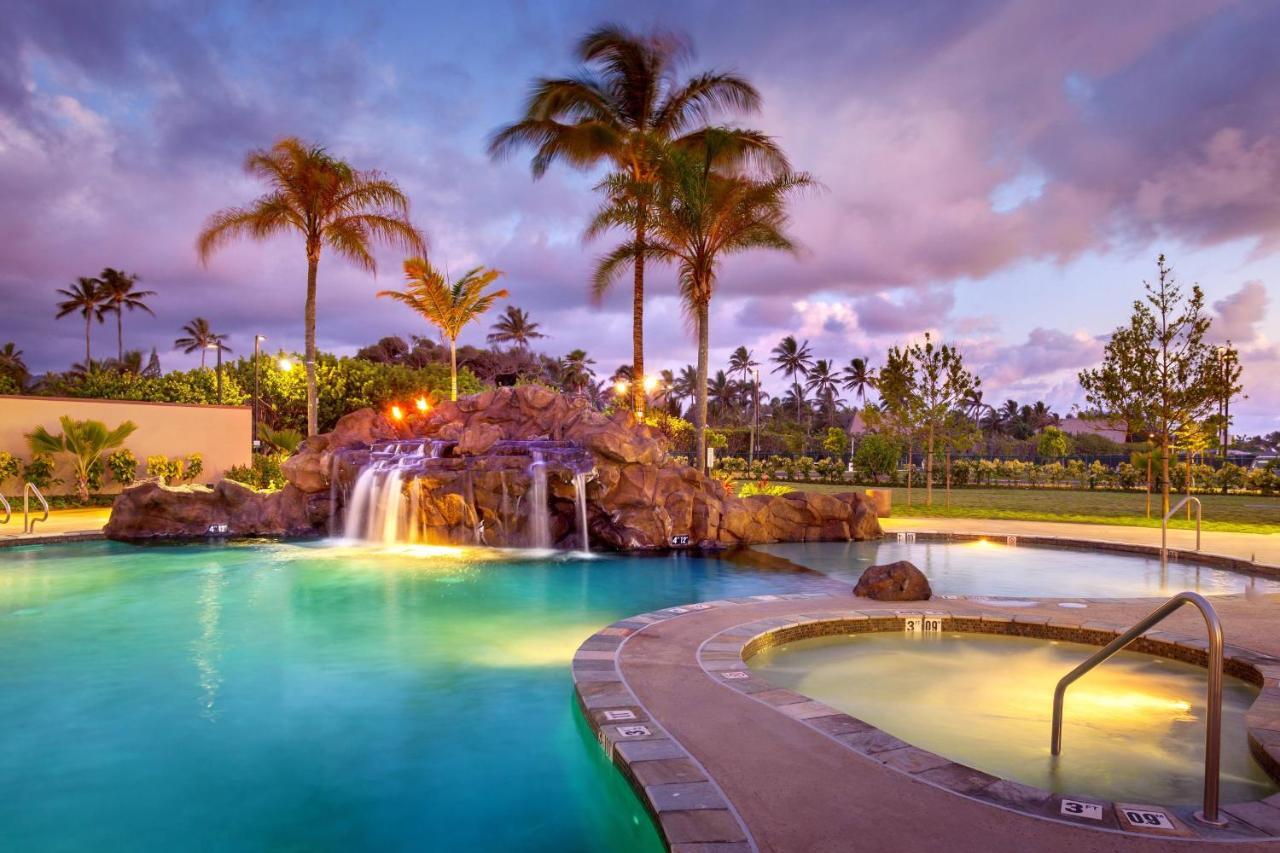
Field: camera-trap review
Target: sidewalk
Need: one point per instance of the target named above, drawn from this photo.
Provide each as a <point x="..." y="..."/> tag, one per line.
<point x="1250" y="547"/>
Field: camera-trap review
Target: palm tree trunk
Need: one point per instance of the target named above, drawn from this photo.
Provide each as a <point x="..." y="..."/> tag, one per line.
<point x="119" y="335"/>
<point x="453" y="368"/>
<point x="309" y="322"/>
<point x="637" y="321"/>
<point x="87" y="357"/>
<point x="700" y="422"/>
<point x="203" y="350"/>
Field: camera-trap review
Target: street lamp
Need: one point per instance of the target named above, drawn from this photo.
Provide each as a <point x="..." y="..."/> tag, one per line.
<point x="217" y="346"/>
<point x="257" y="399"/>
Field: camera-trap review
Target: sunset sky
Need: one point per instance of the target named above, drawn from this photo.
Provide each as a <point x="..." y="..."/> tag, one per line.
<point x="1002" y="173"/>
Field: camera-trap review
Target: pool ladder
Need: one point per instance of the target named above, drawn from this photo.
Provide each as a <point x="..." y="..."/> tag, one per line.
<point x="29" y="523"/>
<point x="1213" y="704"/>
<point x="1164" y="526"/>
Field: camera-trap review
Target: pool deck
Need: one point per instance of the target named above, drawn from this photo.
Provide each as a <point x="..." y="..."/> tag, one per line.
<point x="757" y="768"/>
<point x="63" y="525"/>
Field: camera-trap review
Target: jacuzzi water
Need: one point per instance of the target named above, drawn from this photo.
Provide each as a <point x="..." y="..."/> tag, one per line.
<point x="309" y="697"/>
<point x="993" y="568"/>
<point x="1133" y="730"/>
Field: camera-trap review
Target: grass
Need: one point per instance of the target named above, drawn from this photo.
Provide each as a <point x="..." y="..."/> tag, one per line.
<point x="1225" y="513"/>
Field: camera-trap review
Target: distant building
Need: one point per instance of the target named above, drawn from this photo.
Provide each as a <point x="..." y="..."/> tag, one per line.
<point x="857" y="426"/>
<point x="1108" y="428"/>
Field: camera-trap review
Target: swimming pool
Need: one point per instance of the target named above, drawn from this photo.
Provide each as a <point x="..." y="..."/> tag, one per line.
<point x="989" y="568"/>
<point x="305" y="696"/>
<point x="1133" y="730"/>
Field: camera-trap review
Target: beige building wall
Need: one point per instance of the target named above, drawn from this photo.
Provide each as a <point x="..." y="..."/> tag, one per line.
<point x="223" y="435"/>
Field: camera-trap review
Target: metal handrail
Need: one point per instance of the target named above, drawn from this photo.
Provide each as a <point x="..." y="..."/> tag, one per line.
<point x="8" y="513"/>
<point x="1213" y="715"/>
<point x="29" y="526"/>
<point x="1164" y="525"/>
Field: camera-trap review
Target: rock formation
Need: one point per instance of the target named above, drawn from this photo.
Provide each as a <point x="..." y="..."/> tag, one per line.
<point x="152" y="510"/>
<point x="638" y="498"/>
<point x="900" y="581"/>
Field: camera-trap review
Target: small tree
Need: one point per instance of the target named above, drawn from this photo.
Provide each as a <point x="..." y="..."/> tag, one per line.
<point x="899" y="411"/>
<point x="85" y="442"/>
<point x="876" y="457"/>
<point x="1053" y="443"/>
<point x="836" y="442"/>
<point x="942" y="383"/>
<point x="1158" y="373"/>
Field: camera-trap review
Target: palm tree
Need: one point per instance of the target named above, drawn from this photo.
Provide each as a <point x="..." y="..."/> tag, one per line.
<point x="622" y="108"/>
<point x="85" y="296"/>
<point x="792" y="359"/>
<point x="706" y="208"/>
<point x="723" y="396"/>
<point x="84" y="441"/>
<point x="514" y="326"/>
<point x="797" y="398"/>
<point x="330" y="204"/>
<point x="449" y="306"/>
<point x="824" y="381"/>
<point x="13" y="366"/>
<point x="200" y="337"/>
<point x="684" y="387"/>
<point x="857" y="377"/>
<point x="742" y="361"/>
<point x="118" y="296"/>
<point x="575" y="370"/>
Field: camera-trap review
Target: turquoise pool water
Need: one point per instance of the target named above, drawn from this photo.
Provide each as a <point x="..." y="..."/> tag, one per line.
<point x="993" y="568"/>
<point x="307" y="697"/>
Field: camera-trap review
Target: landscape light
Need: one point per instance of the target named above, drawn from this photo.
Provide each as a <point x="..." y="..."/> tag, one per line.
<point x="285" y="365"/>
<point x="650" y="384"/>
<point x="621" y="386"/>
<point x="422" y="404"/>
<point x="397" y="413"/>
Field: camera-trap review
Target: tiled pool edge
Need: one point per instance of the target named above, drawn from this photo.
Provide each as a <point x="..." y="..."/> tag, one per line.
<point x="688" y="807"/>
<point x="723" y="654"/>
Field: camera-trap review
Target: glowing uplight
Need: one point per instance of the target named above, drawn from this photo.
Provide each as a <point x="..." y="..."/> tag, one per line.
<point x="650" y="384"/>
<point x="422" y="404"/>
<point x="397" y="413"/>
<point x="285" y="365"/>
<point x="621" y="386"/>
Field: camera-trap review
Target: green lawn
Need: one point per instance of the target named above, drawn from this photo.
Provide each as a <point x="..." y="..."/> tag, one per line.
<point x="1228" y="513"/>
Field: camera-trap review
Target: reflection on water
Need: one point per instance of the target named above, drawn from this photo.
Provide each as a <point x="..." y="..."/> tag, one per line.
<point x="984" y="567"/>
<point x="1134" y="727"/>
<point x="207" y="646"/>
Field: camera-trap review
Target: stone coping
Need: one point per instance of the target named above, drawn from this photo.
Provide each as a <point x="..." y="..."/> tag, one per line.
<point x="15" y="540"/>
<point x="692" y="812"/>
<point x="1177" y="555"/>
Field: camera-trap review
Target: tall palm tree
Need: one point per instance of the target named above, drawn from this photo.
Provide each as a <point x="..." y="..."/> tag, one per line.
<point x="723" y="396"/>
<point x="330" y="204"/>
<point x="85" y="297"/>
<point x="576" y="370"/>
<point x="621" y="108"/>
<point x="857" y="377"/>
<point x="742" y="361"/>
<point x="198" y="336"/>
<point x="449" y="306"/>
<point x="792" y="359"/>
<point x="796" y="398"/>
<point x="118" y="296"/>
<point x="685" y="385"/>
<point x="824" y="382"/>
<point x="13" y="366"/>
<point x="707" y="208"/>
<point x="514" y="327"/>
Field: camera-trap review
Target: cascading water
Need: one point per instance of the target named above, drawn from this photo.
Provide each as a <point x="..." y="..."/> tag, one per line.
<point x="539" y="515"/>
<point x="399" y="485"/>
<point x="580" y="503"/>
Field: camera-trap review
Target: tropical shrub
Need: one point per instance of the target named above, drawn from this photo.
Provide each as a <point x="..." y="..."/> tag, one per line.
<point x="10" y="466"/>
<point x="1053" y="443"/>
<point x="876" y="457"/>
<point x="761" y="487"/>
<point x="836" y="441"/>
<point x="830" y="468"/>
<point x="123" y="466"/>
<point x="677" y="431"/>
<point x="168" y="470"/>
<point x="264" y="473"/>
<point x="194" y="466"/>
<point x="39" y="471"/>
<point x="86" y="442"/>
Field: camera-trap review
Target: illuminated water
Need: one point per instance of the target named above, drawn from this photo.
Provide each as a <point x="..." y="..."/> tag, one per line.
<point x="1134" y="727"/>
<point x="306" y="697"/>
<point x="990" y="568"/>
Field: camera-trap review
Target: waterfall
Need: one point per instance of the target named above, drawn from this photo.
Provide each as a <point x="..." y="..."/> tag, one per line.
<point x="539" y="516"/>
<point x="390" y="494"/>
<point x="580" y="502"/>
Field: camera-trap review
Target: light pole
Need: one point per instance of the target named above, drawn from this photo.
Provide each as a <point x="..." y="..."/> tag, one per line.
<point x="217" y="346"/>
<point x="257" y="342"/>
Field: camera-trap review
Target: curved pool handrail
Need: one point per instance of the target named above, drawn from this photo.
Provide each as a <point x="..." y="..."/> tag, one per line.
<point x="1213" y="716"/>
<point x="28" y="523"/>
<point x="8" y="513"/>
<point x="1164" y="525"/>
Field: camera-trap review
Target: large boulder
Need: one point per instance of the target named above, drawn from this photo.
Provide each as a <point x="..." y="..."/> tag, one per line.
<point x="151" y="510"/>
<point x="900" y="581"/>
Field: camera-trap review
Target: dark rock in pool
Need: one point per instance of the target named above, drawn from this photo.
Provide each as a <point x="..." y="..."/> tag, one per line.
<point x="151" y="510"/>
<point x="898" y="581"/>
